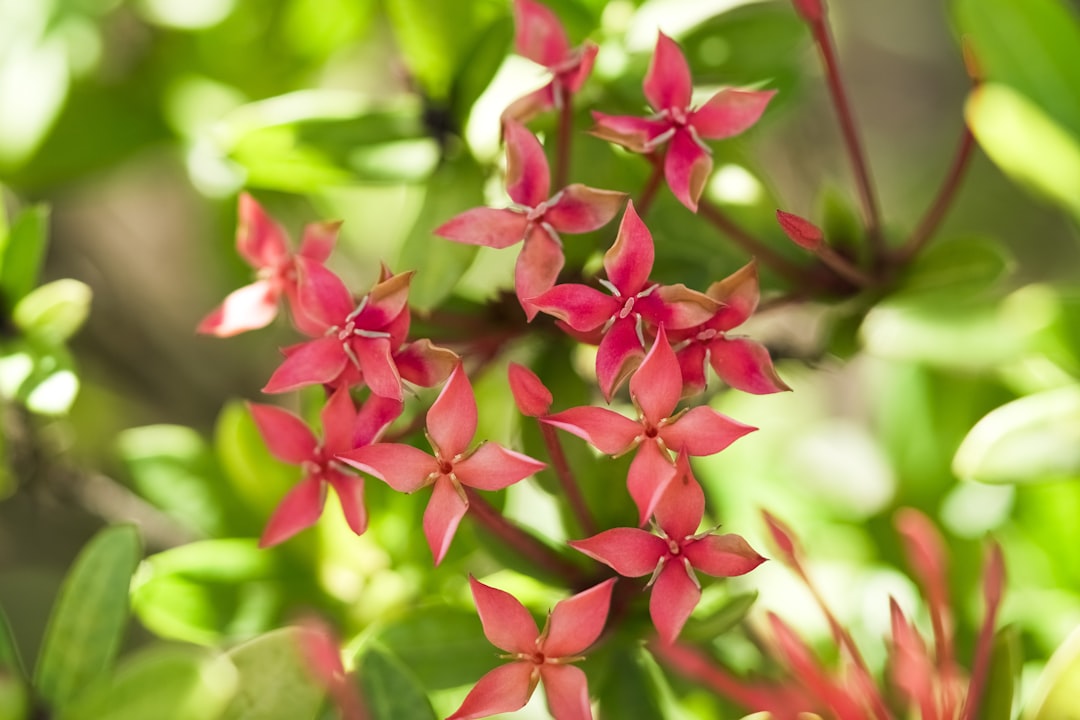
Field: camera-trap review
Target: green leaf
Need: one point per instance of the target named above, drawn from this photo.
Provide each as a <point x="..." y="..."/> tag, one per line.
<point x="22" y="250"/>
<point x="958" y="268"/>
<point x="256" y="477"/>
<point x="389" y="689"/>
<point x="164" y="683"/>
<point x="1054" y="697"/>
<point x="428" y="635"/>
<point x="1004" y="676"/>
<point x="721" y="621"/>
<point x="275" y="683"/>
<point x="1027" y="143"/>
<point x="39" y="64"/>
<point x="10" y="661"/>
<point x="40" y="375"/>
<point x="1034" y="438"/>
<point x="87" y="622"/>
<point x="53" y="312"/>
<point x="14" y="698"/>
<point x="626" y="686"/>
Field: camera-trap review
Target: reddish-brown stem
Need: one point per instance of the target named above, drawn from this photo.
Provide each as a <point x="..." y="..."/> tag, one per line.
<point x="523" y="543"/>
<point x="566" y="478"/>
<point x="695" y="665"/>
<point x="843" y="267"/>
<point x="924" y="231"/>
<point x="564" y="139"/>
<point x="652" y="185"/>
<point x="766" y="255"/>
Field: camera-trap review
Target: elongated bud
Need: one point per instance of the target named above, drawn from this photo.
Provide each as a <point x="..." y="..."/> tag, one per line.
<point x="781" y="535"/>
<point x="801" y="231"/>
<point x="530" y="395"/>
<point x="812" y="10"/>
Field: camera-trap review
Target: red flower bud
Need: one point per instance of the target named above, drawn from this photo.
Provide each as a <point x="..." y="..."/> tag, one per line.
<point x="801" y="231"/>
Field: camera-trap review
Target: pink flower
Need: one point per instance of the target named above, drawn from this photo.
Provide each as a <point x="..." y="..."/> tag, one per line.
<point x="740" y="362"/>
<point x="571" y="628"/>
<point x="688" y="161"/>
<point x="673" y="556"/>
<point x="540" y="37"/>
<point x="451" y="425"/>
<point x="634" y="303"/>
<point x="262" y="243"/>
<point x="535" y="218"/>
<point x="289" y="440"/>
<point x="530" y="394"/>
<point x="655" y="389"/>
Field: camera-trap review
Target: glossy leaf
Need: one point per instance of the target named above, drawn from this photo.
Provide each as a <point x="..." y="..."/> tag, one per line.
<point x="22" y="250"/>
<point x="625" y="685"/>
<point x="88" y="619"/>
<point x="389" y="688"/>
<point x="424" y="637"/>
<point x="275" y="682"/>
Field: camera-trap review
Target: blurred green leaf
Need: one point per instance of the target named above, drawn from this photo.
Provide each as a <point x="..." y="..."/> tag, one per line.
<point x="53" y="312"/>
<point x="1027" y="143"/>
<point x="425" y="637"/>
<point x="87" y="622"/>
<point x="1055" y="693"/>
<point x="14" y="698"/>
<point x="164" y="683"/>
<point x="625" y="687"/>
<point x="40" y="375"/>
<point x="389" y="689"/>
<point x="22" y="249"/>
<point x="1004" y="676"/>
<point x="721" y="621"/>
<point x="484" y="58"/>
<point x="256" y="477"/>
<point x="1034" y="438"/>
<point x="275" y="683"/>
<point x="962" y="267"/>
<point x="10" y="661"/>
<point x="34" y="77"/>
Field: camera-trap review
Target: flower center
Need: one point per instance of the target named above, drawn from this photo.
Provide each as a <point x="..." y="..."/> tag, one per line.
<point x="707" y="335"/>
<point x="678" y="116"/>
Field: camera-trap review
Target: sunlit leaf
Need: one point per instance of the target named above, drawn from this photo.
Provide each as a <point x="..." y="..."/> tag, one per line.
<point x="1055" y="693"/>
<point x="22" y="249"/>
<point x="53" y="312"/>
<point x="255" y="476"/>
<point x="34" y="78"/>
<point x="389" y="688"/>
<point x="14" y="698"/>
<point x="275" y="682"/>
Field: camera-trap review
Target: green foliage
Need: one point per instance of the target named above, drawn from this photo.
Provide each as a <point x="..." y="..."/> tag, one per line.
<point x="1054" y="696"/>
<point x="625" y="683"/>
<point x="389" y="688"/>
<point x="1003" y="678"/>
<point x="425" y="636"/>
<point x="275" y="683"/>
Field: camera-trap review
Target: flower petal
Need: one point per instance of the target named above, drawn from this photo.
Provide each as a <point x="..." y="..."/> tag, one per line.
<point x="528" y="106"/>
<point x="579" y="306"/>
<point x="657" y="383"/>
<point x="259" y="239"/>
<point x="492" y="227"/>
<point x="674" y="596"/>
<point x="582" y="209"/>
<point x="745" y="365"/>
<point x="651" y="472"/>
<point x="606" y="430"/>
<point x="537" y="268"/>
<point x="677" y="307"/>
<point x="248" y="308"/>
<point x="287" y="437"/>
<point x="444" y="511"/>
<point x="634" y="133"/>
<point x="505" y="689"/>
<point x="387" y="302"/>
<point x="722" y="555"/>
<point x="310" y="363"/>
<point x="667" y="81"/>
<point x="567" y="690"/>
<point x="374" y="416"/>
<point x="402" y="467"/>
<point x="573" y="78"/>
<point x="298" y="510"/>
<point x="451" y="421"/>
<point x="377" y="365"/>
<point x="686" y="168"/>
<point x="538" y="34"/>
<point x="493" y="467"/>
<point x="424" y="363"/>
<point x="703" y="431"/>
<point x="338" y="418"/>
<point x="619" y="354"/>
<point x="319" y="240"/>
<point x="507" y="624"/>
<point x="681" y="507"/>
<point x="729" y="112"/>
<point x="738" y="294"/>
<point x="577" y="621"/>
<point x="692" y="364"/>
<point x="629" y="261"/>
<point x="350" y="491"/>
<point x="322" y="295"/>
<point x="530" y="394"/>
<point x="628" y="551"/>
<point x="528" y="179"/>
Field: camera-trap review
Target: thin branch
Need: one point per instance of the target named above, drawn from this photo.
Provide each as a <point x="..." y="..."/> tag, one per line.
<point x="566" y="478"/>
<point x="648" y="193"/>
<point x="564" y="139"/>
<point x="766" y="255"/>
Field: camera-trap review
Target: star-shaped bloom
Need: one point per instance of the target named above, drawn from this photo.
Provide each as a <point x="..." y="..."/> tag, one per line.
<point x="572" y="626"/>
<point x="682" y="128"/>
<point x="290" y="440"/>
<point x="540" y="37"/>
<point x="451" y="425"/>
<point x="655" y="389"/>
<point x="674" y="554"/>
<point x="634" y="305"/>
<point x="740" y="362"/>
<point x="534" y="218"/>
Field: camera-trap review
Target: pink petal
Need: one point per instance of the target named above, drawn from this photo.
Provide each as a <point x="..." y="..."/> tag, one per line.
<point x="451" y="421"/>
<point x="692" y="365"/>
<point x="444" y="511"/>
<point x="674" y="596"/>
<point x="686" y="168"/>
<point x="538" y="34"/>
<point x="606" y="430"/>
<point x="350" y="491"/>
<point x="505" y="689"/>
<point x="811" y="674"/>
<point x="530" y="394"/>
<point x="745" y="365"/>
<point x="681" y="507"/>
<point x="572" y="80"/>
<point x="287" y="437"/>
<point x="729" y="112"/>
<point x="579" y="306"/>
<point x="493" y="467"/>
<point x="634" y="133"/>
<point x="703" y="431"/>
<point x="298" y="510"/>
<point x="377" y="365"/>
<point x="248" y="308"/>
<point x="311" y="363"/>
<point x="528" y="179"/>
<point x="627" y="551"/>
<point x="491" y="227"/>
<point x="667" y="81"/>
<point x="657" y="383"/>
<point x="528" y="106"/>
<point x="387" y="303"/>
<point x="911" y="669"/>
<point x="338" y="418"/>
<point x="537" y="268"/>
<point x="312" y="327"/>
<point x="567" y="691"/>
<point x="259" y="239"/>
<point x="319" y="240"/>
<point x="424" y="363"/>
<point x="374" y="416"/>
<point x="630" y="260"/>
<point x="925" y="550"/>
<point x="722" y="555"/>
<point x="782" y="537"/>
<point x="739" y="296"/>
<point x="619" y="354"/>
<point x="507" y="624"/>
<point x="402" y="467"/>
<point x="582" y="209"/>
<point x="322" y="295"/>
<point x="677" y="307"/>
<point x="650" y="474"/>
<point x="577" y="621"/>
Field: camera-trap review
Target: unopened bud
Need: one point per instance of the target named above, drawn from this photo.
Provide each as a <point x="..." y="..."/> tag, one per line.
<point x="801" y="231"/>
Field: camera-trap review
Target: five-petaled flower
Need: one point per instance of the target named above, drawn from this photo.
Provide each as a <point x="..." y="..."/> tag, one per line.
<point x="682" y="128"/>
<point x="572" y="626"/>
<point x="451" y="425"/>
<point x="535" y="218"/>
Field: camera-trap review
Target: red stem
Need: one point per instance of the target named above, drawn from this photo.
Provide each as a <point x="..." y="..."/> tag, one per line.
<point x="778" y="263"/>
<point x="566" y="478"/>
<point x="648" y="193"/>
<point x="695" y="665"/>
<point x="564" y="139"/>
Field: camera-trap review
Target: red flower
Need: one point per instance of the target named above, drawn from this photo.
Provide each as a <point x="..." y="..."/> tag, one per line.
<point x="451" y="425"/>
<point x="535" y="218"/>
<point x="540" y="37"/>
<point x="673" y="556"/>
<point x="289" y="440"/>
<point x="688" y="161"/>
<point x="572" y="626"/>
<point x="262" y="243"/>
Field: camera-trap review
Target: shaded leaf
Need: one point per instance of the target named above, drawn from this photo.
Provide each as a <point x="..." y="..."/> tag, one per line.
<point x="962" y="267"/>
<point x="1004" y="677"/>
<point x="625" y="685"/>
<point x="721" y="621"/>
<point x="10" y="660"/>
<point x="427" y="635"/>
<point x="275" y="683"/>
<point x="389" y="689"/>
